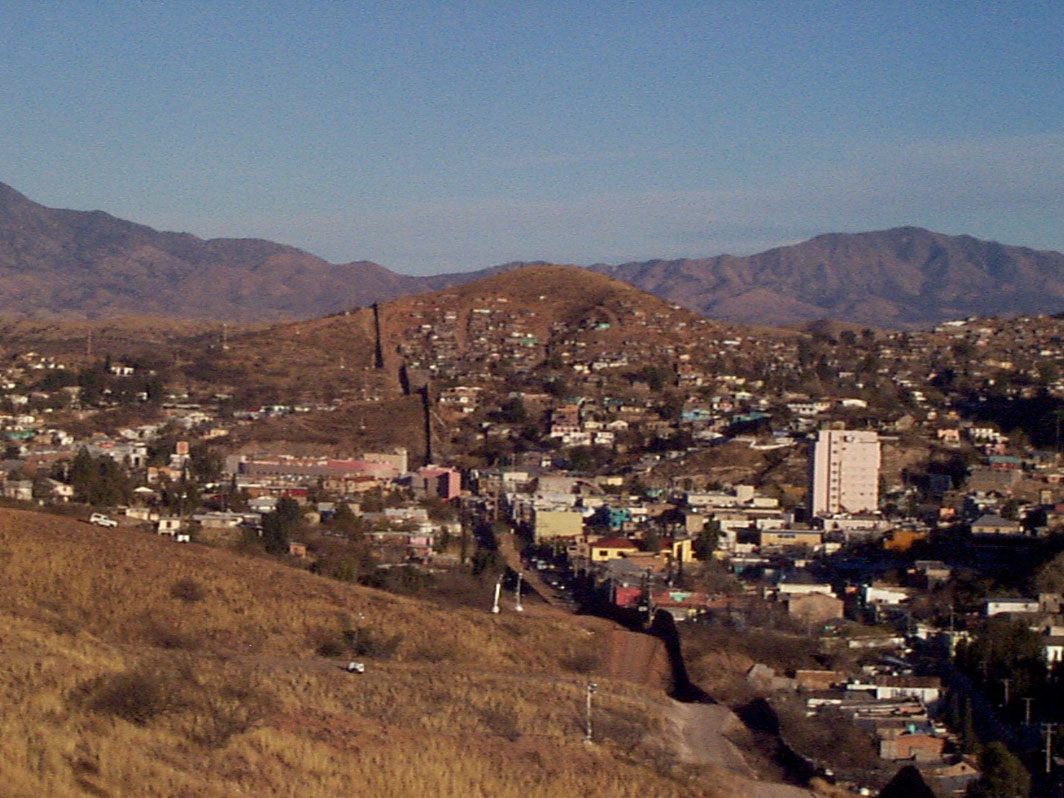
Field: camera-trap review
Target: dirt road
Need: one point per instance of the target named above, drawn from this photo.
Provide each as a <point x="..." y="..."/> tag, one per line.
<point x="698" y="735"/>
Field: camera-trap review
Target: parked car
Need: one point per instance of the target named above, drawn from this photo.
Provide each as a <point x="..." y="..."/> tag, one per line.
<point x="99" y="519"/>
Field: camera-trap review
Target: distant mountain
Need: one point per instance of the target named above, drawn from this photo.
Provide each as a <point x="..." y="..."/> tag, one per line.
<point x="89" y="264"/>
<point x="905" y="277"/>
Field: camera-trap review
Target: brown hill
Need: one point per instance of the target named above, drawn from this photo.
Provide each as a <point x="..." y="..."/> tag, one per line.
<point x="905" y="277"/>
<point x="136" y="666"/>
<point x="472" y="334"/>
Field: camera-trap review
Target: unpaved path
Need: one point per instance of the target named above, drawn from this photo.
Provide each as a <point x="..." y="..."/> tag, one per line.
<point x="698" y="735"/>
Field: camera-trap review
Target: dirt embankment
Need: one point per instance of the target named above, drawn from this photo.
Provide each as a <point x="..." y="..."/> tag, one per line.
<point x="637" y="658"/>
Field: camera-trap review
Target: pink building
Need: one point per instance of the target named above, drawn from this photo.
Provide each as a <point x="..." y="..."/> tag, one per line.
<point x="439" y="481"/>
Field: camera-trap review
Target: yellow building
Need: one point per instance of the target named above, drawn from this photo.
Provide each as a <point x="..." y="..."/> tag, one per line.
<point x="903" y="539"/>
<point x="550" y="524"/>
<point x="778" y="538"/>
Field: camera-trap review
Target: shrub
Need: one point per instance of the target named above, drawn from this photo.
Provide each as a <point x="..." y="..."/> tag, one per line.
<point x="501" y="721"/>
<point x="584" y="662"/>
<point x="432" y="652"/>
<point x="222" y="711"/>
<point x="138" y="696"/>
<point x="188" y="589"/>
<point x="207" y="704"/>
<point x="375" y="644"/>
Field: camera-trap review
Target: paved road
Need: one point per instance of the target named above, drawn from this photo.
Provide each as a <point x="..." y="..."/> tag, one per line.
<point x="531" y="577"/>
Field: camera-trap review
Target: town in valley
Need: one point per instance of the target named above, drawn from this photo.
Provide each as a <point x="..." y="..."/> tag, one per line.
<point x="858" y="528"/>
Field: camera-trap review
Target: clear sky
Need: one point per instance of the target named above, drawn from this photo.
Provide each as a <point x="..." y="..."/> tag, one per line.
<point x="446" y="136"/>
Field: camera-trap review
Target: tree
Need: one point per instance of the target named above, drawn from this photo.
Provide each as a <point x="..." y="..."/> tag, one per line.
<point x="671" y="407"/>
<point x="1047" y="372"/>
<point x="1050" y="577"/>
<point x="706" y="542"/>
<point x="99" y="480"/>
<point x="513" y="411"/>
<point x="1004" y="776"/>
<point x="1005" y="649"/>
<point x="204" y="463"/>
<point x="652" y="540"/>
<point x="344" y="520"/>
<point x="279" y="526"/>
<point x="183" y="496"/>
<point x="288" y="511"/>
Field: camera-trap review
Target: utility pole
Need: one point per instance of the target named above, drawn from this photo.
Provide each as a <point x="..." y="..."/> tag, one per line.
<point x="1027" y="711"/>
<point x="1048" y="729"/>
<point x="517" y="595"/>
<point x="591" y="688"/>
<point x="355" y="631"/>
<point x="1006" y="682"/>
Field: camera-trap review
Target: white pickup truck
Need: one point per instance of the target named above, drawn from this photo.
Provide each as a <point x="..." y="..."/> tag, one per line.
<point x="99" y="519"/>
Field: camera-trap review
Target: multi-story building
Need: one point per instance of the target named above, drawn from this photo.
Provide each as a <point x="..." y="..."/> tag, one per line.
<point x="844" y="472"/>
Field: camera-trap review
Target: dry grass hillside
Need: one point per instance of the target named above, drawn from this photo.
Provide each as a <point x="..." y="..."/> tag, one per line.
<point x="133" y="666"/>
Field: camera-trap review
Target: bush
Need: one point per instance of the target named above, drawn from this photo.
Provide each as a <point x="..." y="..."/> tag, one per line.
<point x="138" y="696"/>
<point x="226" y="710"/>
<point x="405" y="580"/>
<point x="208" y="705"/>
<point x="434" y="652"/>
<point x="188" y="589"/>
<point x="584" y="662"/>
<point x="331" y="647"/>
<point x="501" y="721"/>
<point x="377" y="645"/>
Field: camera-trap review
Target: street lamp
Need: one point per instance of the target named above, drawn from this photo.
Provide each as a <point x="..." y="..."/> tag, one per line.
<point x="591" y="688"/>
<point x="517" y="595"/>
<point x="498" y="589"/>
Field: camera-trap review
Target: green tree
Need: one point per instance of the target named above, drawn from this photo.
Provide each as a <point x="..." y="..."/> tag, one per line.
<point x="1003" y="775"/>
<point x="671" y="406"/>
<point x="99" y="480"/>
<point x="513" y="410"/>
<point x="204" y="463"/>
<point x="1005" y="649"/>
<point x="707" y="541"/>
<point x="279" y="526"/>
<point x="1049" y="578"/>
<point x="1047" y="372"/>
<point x="344" y="520"/>
<point x="652" y="540"/>
<point x="183" y="496"/>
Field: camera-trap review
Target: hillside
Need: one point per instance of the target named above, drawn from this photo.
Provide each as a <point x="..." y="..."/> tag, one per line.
<point x="480" y="333"/>
<point x="132" y="665"/>
<point x="904" y="277"/>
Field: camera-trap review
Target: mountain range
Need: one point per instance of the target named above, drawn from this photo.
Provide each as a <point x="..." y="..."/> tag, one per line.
<point x="90" y="264"/>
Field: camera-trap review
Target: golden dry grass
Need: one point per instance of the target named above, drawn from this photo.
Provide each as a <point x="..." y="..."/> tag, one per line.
<point x="470" y="704"/>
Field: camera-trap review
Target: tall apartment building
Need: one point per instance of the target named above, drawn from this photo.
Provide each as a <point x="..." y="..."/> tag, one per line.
<point x="844" y="472"/>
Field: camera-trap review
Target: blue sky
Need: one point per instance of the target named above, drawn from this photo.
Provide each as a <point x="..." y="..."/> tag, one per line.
<point x="438" y="136"/>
